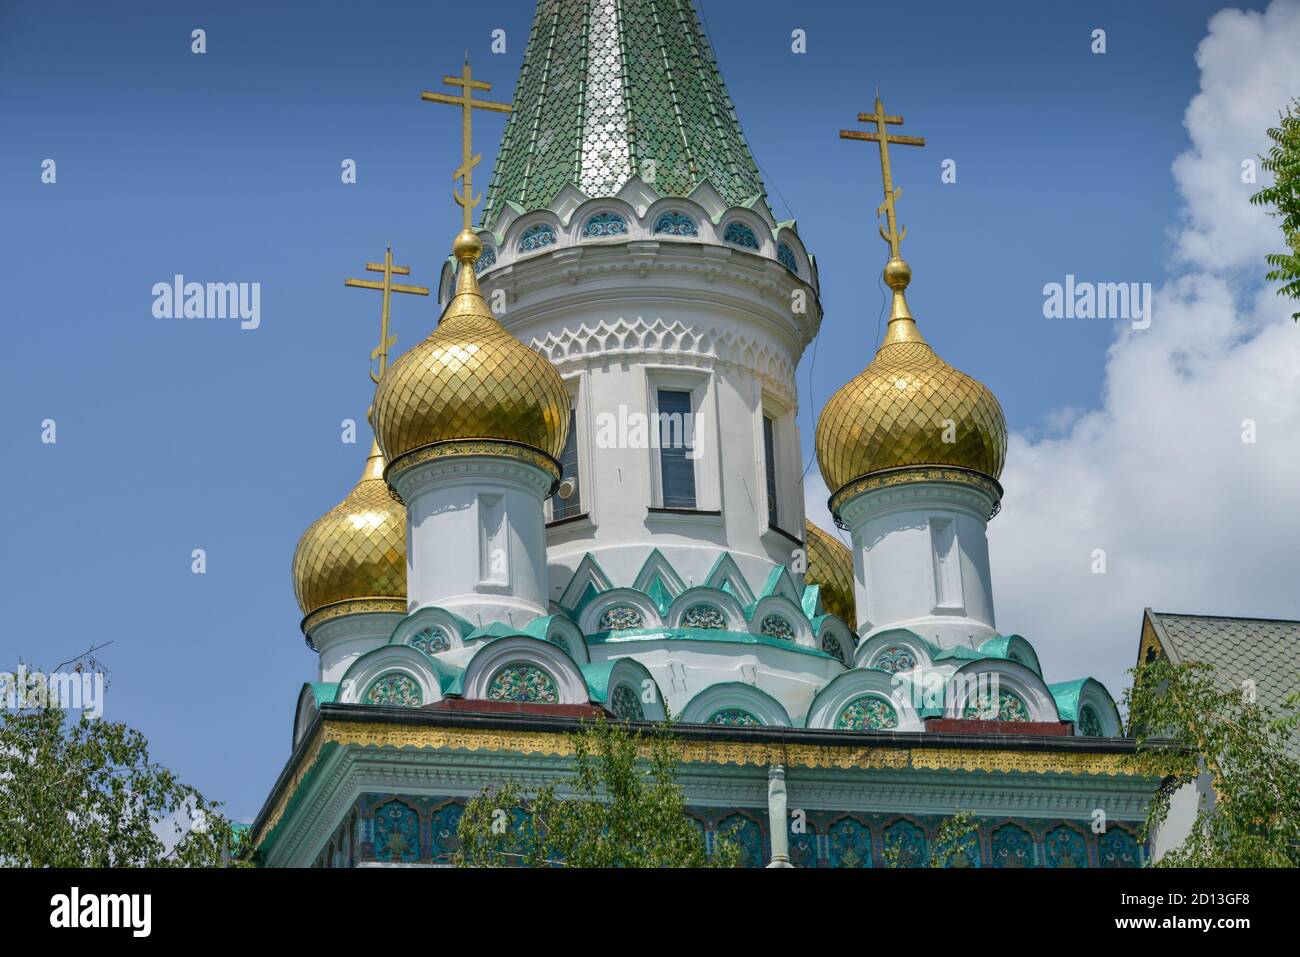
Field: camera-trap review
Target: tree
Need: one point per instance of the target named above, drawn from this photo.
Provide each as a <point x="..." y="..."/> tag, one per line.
<point x="948" y="849"/>
<point x="84" y="793"/>
<point x="626" y="810"/>
<point x="950" y="844"/>
<point x="1189" y="720"/>
<point x="1283" y="161"/>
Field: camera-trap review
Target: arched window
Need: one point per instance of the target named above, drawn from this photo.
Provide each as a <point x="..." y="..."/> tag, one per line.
<point x="673" y="223"/>
<point x="1012" y="846"/>
<point x="831" y="645"/>
<point x="394" y="688"/>
<point x="734" y="717"/>
<point x="785" y="256"/>
<point x="397" y="833"/>
<point x="870" y="712"/>
<point x="521" y="682"/>
<point x="536" y="237"/>
<point x="849" y="843"/>
<point x="442" y="831"/>
<point x="626" y="703"/>
<point x="904" y="842"/>
<point x="1090" y="722"/>
<point x="1010" y="707"/>
<point x="745" y="833"/>
<point x="1118" y="848"/>
<point x="704" y="616"/>
<point x="619" y="617"/>
<point x="775" y="626"/>
<point x="604" y="224"/>
<point x="738" y="234"/>
<point x="895" y="658"/>
<point x="1065" y="847"/>
<point x="430" y="640"/>
<point x="803" y="846"/>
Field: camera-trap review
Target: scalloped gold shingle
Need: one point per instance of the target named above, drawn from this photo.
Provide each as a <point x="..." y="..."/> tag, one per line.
<point x="830" y="565"/>
<point x="892" y="415"/>
<point x="355" y="550"/>
<point x="470" y="379"/>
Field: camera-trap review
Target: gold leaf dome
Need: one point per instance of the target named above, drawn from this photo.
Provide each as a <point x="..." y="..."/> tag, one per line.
<point x="356" y="552"/>
<point x="830" y="565"/>
<point x="892" y="415"/>
<point x="470" y="380"/>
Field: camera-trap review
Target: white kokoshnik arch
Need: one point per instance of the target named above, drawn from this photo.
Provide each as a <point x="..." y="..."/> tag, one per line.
<point x="983" y="675"/>
<point x="499" y="653"/>
<point x="848" y="687"/>
<point x="390" y="659"/>
<point x="735" y="695"/>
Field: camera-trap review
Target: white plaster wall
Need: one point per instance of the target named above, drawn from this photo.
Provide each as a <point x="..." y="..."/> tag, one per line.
<point x="341" y="641"/>
<point x="622" y="320"/>
<point x="443" y="567"/>
<point x="1184" y="805"/>
<point x="683" y="669"/>
<point x="894" y="561"/>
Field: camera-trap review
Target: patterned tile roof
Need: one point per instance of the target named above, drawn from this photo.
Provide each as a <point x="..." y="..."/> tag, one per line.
<point x="614" y="88"/>
<point x="1264" y="650"/>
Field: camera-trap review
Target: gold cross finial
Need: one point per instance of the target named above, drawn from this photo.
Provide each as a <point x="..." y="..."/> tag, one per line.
<point x="387" y="287"/>
<point x="469" y="159"/>
<point x="894" y="236"/>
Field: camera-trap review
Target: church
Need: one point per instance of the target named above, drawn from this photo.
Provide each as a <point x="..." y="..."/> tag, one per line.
<point x="585" y="498"/>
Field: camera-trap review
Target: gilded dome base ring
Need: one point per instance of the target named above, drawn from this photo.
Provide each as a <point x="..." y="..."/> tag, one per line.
<point x="353" y="606"/>
<point x="464" y="448"/>
<point x="888" y="478"/>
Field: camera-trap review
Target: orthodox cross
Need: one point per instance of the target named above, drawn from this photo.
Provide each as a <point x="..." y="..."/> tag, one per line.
<point x="387" y="287"/>
<point x="469" y="159"/>
<point x="881" y="119"/>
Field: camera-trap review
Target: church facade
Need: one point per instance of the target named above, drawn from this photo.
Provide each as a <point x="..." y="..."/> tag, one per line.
<point x="585" y="497"/>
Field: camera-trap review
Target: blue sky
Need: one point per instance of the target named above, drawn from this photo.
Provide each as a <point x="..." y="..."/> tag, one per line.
<point x="225" y="167"/>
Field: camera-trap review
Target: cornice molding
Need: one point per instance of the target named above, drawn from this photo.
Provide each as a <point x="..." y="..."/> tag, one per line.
<point x="487" y="749"/>
<point x="350" y="772"/>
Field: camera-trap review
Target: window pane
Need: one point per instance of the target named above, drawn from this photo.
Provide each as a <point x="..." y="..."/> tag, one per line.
<point x="676" y="439"/>
<point x="566" y="507"/>
<point x="769" y="454"/>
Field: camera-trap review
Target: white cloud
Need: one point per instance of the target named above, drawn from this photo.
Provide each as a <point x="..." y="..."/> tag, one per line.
<point x="1249" y="71"/>
<point x="1191" y="518"/>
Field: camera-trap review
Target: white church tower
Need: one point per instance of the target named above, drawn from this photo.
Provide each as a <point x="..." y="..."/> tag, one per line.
<point x="627" y="237"/>
<point x="911" y="449"/>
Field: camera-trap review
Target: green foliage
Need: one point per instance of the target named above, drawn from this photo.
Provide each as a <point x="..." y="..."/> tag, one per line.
<point x="950" y="843"/>
<point x="85" y="794"/>
<point x="1283" y="161"/>
<point x="1189" y="720"/>
<point x="947" y="850"/>
<point x="625" y="810"/>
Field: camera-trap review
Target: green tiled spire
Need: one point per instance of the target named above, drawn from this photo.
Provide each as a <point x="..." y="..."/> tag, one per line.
<point x="612" y="88"/>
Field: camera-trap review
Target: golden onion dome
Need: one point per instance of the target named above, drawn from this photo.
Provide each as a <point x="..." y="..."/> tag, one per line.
<point x="830" y="566"/>
<point x="909" y="410"/>
<point x="353" y="558"/>
<point x="470" y="380"/>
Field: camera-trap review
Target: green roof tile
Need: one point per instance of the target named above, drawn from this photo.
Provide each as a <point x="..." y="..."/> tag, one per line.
<point x="610" y="89"/>
<point x="1264" y="650"/>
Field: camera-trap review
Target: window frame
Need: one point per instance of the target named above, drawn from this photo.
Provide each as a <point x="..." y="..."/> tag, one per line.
<point x="699" y="384"/>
